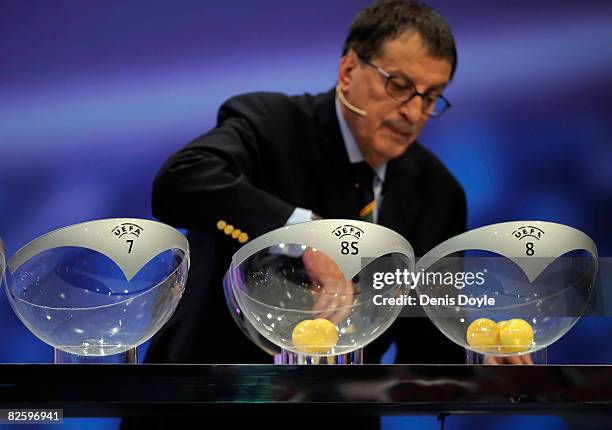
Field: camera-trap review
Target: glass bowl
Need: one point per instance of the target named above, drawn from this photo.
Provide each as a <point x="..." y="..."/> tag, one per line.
<point x="308" y="288"/>
<point x="508" y="289"/>
<point x="99" y="288"/>
<point x="243" y="323"/>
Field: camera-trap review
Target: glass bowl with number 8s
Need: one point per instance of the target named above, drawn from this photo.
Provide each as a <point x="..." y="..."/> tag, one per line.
<point x="308" y="288"/>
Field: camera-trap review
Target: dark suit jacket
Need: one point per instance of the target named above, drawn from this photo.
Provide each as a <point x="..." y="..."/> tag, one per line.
<point x="268" y="154"/>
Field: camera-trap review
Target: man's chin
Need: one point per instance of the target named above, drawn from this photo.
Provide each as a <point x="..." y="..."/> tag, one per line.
<point x="390" y="150"/>
<point x="375" y="158"/>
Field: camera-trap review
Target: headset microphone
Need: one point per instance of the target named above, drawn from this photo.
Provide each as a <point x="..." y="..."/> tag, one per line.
<point x="346" y="103"/>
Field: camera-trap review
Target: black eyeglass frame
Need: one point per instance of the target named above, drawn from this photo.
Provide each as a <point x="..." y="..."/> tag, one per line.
<point x="424" y="96"/>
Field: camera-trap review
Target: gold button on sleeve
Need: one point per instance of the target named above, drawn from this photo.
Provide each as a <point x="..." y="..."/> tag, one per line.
<point x="243" y="238"/>
<point x="221" y="224"/>
<point x="228" y="229"/>
<point x="236" y="233"/>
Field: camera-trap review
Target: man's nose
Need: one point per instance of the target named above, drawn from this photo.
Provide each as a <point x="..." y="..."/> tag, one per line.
<point x="412" y="109"/>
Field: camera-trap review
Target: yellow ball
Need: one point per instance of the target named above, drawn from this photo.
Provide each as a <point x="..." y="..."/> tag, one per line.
<point x="483" y="334"/>
<point x="317" y="336"/>
<point x="501" y="324"/>
<point x="515" y="335"/>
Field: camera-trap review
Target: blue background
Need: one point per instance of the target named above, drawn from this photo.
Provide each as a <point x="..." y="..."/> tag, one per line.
<point x="95" y="96"/>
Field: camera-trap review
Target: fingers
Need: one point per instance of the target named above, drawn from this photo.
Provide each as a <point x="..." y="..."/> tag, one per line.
<point x="322" y="304"/>
<point x="344" y="310"/>
<point x="335" y="307"/>
<point x="511" y="359"/>
<point x="318" y="264"/>
<point x="334" y="294"/>
<point x="327" y="276"/>
<point x="492" y="359"/>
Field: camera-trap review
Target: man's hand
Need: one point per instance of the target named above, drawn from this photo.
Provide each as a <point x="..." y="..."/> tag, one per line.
<point x="333" y="294"/>
<point x="512" y="359"/>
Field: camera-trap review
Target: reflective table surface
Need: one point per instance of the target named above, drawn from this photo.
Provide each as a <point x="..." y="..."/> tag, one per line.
<point x="133" y="390"/>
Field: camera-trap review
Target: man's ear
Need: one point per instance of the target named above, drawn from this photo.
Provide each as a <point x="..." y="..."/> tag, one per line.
<point x="348" y="63"/>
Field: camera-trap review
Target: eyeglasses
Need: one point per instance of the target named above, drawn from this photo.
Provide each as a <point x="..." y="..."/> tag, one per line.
<point x="403" y="90"/>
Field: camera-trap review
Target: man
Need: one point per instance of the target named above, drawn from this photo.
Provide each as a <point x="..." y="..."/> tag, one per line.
<point x="273" y="160"/>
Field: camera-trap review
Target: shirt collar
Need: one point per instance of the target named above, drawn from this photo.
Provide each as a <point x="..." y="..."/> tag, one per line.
<point x="354" y="153"/>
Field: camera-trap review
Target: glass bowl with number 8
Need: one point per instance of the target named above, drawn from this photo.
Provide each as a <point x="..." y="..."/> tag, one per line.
<point x="508" y="289"/>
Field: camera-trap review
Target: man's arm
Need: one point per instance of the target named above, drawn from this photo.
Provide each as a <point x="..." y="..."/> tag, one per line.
<point x="213" y="178"/>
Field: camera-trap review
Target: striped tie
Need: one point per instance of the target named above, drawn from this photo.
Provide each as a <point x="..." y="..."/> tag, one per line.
<point x="364" y="176"/>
